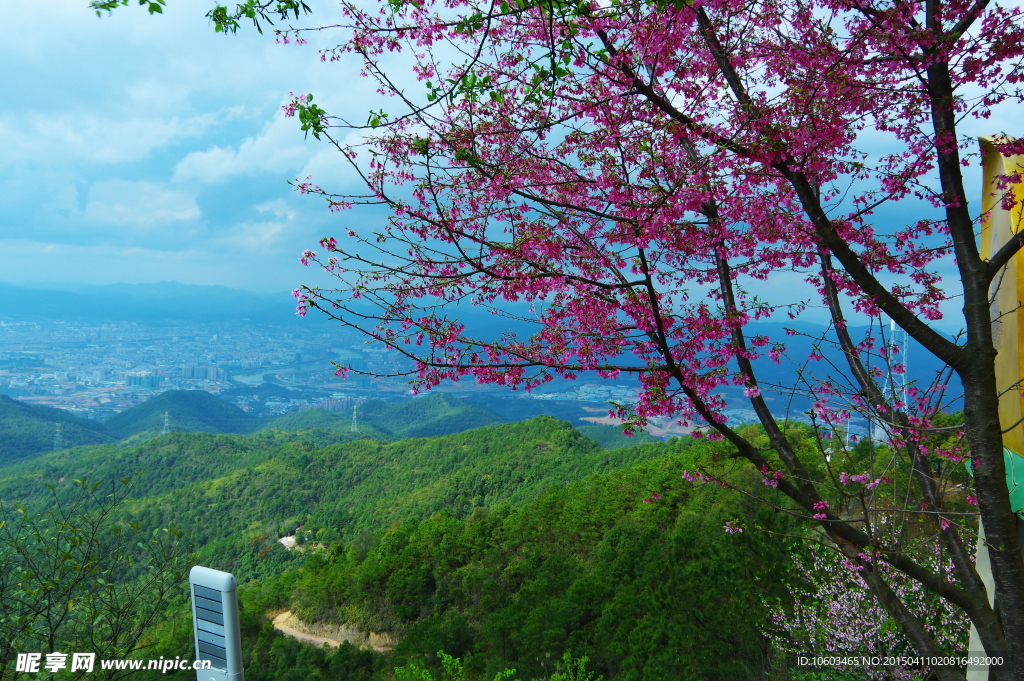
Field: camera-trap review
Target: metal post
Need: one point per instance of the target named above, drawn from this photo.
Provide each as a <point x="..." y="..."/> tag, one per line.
<point x="215" y="624"/>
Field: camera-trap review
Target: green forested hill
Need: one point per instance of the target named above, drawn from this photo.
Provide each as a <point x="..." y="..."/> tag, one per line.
<point x="27" y="430"/>
<point x="435" y="414"/>
<point x="351" y="490"/>
<point x="187" y="410"/>
<point x="648" y="592"/>
<point x="233" y="493"/>
<point x="162" y="464"/>
<point x="324" y="420"/>
<point x="519" y="409"/>
<point x="506" y="546"/>
<point x="612" y="437"/>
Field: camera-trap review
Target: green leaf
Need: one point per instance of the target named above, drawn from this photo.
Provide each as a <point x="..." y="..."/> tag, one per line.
<point x="889" y="626"/>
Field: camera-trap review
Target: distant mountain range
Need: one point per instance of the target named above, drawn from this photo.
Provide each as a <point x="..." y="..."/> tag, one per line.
<point x="159" y="302"/>
<point x="189" y="410"/>
<point x="27" y="431"/>
<point x="435" y="414"/>
<point x="166" y="301"/>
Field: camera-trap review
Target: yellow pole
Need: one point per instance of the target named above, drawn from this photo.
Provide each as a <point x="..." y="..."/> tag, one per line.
<point x="998" y="225"/>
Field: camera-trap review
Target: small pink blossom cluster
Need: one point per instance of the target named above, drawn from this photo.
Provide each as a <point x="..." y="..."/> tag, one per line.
<point x="821" y="506"/>
<point x="654" y="497"/>
<point x="304" y="186"/>
<point x="293" y="104"/>
<point x="864" y="479"/>
<point x="732" y="527"/>
<point x="288" y="37"/>
<point x="303" y="302"/>
<point x="702" y="479"/>
<point x="771" y="478"/>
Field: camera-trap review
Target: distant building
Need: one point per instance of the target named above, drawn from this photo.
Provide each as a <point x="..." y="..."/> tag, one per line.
<point x="195" y="371"/>
<point x="143" y="380"/>
<point x="335" y="404"/>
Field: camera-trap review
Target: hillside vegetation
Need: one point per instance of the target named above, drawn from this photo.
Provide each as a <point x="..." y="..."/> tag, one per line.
<point x="508" y="546"/>
<point x="238" y="494"/>
<point x="646" y="591"/>
<point x="188" y="410"/>
<point x="612" y="437"/>
<point x="435" y="414"/>
<point x="27" y="430"/>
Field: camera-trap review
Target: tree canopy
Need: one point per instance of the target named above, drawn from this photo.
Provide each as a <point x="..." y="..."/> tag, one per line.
<point x="638" y="172"/>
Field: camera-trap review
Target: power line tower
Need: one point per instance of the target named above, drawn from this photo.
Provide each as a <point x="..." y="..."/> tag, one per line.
<point x="167" y="423"/>
<point x="58" y="444"/>
<point x="354" y="427"/>
<point x="895" y="389"/>
<point x="896" y="383"/>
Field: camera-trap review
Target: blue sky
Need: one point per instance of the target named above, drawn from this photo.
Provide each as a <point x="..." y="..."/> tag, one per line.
<point x="140" y="148"/>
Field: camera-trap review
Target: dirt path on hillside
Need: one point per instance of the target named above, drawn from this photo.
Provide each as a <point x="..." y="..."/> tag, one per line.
<point x="317" y="633"/>
<point x="281" y="624"/>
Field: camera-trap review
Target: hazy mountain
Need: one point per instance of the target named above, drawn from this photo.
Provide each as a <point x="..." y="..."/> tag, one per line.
<point x="324" y="420"/>
<point x="612" y="437"/>
<point x="435" y="414"/>
<point x="187" y="410"/>
<point x="159" y="302"/>
<point x="166" y="301"/>
<point x="27" y="430"/>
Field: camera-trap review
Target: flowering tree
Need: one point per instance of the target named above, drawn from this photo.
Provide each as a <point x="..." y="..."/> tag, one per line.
<point x="634" y="170"/>
<point x="835" y="614"/>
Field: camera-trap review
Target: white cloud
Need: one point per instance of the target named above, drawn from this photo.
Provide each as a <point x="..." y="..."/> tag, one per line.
<point x="32" y="263"/>
<point x="58" y="138"/>
<point x="329" y="169"/>
<point x="279" y="208"/>
<point x="269" y="237"/>
<point x="257" y="237"/>
<point x="276" y="149"/>
<point x="155" y="95"/>
<point x="142" y="204"/>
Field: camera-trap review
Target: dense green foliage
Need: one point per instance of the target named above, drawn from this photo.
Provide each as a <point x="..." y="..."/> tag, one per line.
<point x="520" y="409"/>
<point x="234" y="495"/>
<point x="316" y="418"/>
<point x="612" y="437"/>
<point x="77" y="577"/>
<point x="435" y="414"/>
<point x="238" y="494"/>
<point x="507" y="547"/>
<point x="27" y="430"/>
<point x="647" y="591"/>
<point x="163" y="464"/>
<point x="188" y="410"/>
<point x="349" y="491"/>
